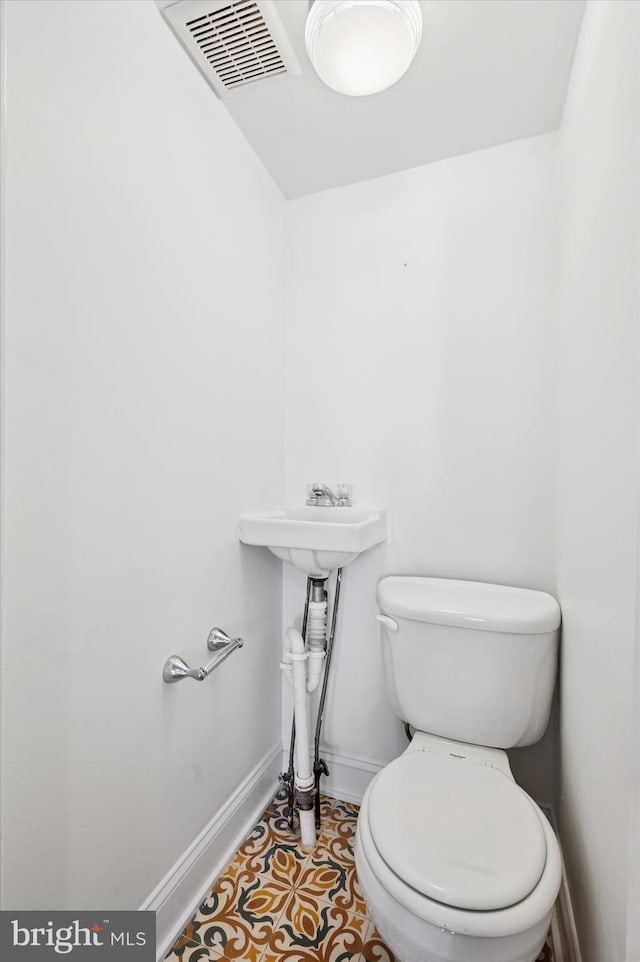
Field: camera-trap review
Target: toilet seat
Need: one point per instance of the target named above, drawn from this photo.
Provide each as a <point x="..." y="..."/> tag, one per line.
<point x="400" y="897"/>
<point x="457" y="832"/>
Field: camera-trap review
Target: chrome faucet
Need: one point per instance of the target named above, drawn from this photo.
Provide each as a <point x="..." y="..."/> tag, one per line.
<point x="323" y="496"/>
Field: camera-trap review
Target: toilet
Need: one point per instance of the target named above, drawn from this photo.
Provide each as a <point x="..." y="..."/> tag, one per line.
<point x="455" y="861"/>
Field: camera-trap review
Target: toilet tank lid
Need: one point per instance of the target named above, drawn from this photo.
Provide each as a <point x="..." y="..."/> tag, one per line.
<point x="468" y="604"/>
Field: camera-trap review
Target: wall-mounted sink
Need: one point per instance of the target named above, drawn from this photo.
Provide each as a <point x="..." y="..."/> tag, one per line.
<point x="315" y="539"/>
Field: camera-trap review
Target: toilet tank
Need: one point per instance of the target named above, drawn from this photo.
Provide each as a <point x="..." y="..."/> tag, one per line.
<point x="469" y="661"/>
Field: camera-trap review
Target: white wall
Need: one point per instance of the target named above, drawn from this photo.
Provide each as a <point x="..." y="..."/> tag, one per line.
<point x="420" y="367"/>
<point x="598" y="476"/>
<point x="143" y="409"/>
<point x="144" y="405"/>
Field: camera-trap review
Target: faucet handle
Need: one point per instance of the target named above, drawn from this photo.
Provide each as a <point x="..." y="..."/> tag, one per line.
<point x="315" y="491"/>
<point x="343" y="492"/>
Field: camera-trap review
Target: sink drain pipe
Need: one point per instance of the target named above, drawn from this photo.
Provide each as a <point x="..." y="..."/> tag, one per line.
<point x="303" y="655"/>
<point x="302" y="666"/>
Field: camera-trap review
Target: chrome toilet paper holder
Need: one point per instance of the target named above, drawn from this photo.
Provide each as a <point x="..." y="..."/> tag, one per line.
<point x="175" y="668"/>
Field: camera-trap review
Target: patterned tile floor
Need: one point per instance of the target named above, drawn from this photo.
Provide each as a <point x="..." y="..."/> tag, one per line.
<point x="275" y="902"/>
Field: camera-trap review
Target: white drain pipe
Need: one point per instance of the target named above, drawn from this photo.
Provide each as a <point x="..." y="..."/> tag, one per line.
<point x="304" y="680"/>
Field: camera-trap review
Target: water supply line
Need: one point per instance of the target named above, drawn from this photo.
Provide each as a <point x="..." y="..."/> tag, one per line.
<point x="320" y="767"/>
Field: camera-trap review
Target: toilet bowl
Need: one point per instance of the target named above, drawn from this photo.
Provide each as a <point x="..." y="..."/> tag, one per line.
<point x="455" y="861"/>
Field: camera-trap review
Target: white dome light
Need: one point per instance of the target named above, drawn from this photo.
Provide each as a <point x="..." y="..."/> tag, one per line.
<point x="360" y="47"/>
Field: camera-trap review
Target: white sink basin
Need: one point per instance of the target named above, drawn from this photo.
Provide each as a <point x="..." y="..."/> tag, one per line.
<point x="314" y="539"/>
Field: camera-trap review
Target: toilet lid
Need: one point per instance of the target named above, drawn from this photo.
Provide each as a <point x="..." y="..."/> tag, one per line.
<point x="459" y="832"/>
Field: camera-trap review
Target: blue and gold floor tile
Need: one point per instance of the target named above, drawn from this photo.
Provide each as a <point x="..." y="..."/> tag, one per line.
<point x="276" y="903"/>
<point x="331" y="869"/>
<point x="313" y="931"/>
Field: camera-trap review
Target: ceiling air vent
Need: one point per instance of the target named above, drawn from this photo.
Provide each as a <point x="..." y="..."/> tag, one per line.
<point x="233" y="42"/>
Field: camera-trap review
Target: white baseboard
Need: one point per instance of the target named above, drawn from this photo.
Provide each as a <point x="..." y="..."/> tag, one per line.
<point x="349" y="775"/>
<point x="186" y="884"/>
<point x="565" y="934"/>
<point x="566" y="946"/>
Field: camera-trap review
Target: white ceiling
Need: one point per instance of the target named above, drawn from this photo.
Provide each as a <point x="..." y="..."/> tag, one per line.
<point x="487" y="72"/>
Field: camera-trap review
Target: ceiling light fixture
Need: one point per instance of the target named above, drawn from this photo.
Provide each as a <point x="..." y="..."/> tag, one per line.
<point x="360" y="47"/>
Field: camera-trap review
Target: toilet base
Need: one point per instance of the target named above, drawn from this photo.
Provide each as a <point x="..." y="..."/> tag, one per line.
<point x="413" y="939"/>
